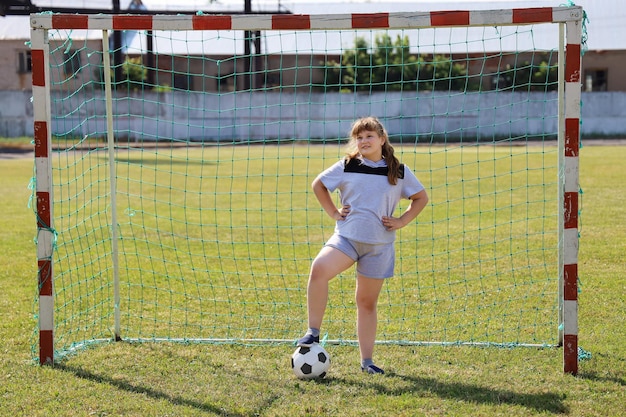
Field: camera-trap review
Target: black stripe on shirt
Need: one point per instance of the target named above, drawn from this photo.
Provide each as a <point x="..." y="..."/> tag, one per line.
<point x="355" y="165"/>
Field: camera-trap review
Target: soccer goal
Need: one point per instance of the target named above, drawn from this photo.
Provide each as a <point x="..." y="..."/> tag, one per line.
<point x="174" y="156"/>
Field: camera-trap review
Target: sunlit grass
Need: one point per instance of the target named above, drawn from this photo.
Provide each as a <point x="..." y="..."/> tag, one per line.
<point x="137" y="379"/>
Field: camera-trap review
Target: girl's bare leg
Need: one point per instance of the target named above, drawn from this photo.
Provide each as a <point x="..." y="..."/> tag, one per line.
<point x="329" y="263"/>
<point x="367" y="291"/>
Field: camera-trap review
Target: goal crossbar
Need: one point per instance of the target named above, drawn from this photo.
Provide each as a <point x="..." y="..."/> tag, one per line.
<point x="397" y="20"/>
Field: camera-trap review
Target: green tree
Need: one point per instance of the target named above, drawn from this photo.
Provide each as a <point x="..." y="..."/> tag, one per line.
<point x="527" y="75"/>
<point x="390" y="66"/>
<point x="545" y="76"/>
<point x="134" y="73"/>
<point x="441" y="72"/>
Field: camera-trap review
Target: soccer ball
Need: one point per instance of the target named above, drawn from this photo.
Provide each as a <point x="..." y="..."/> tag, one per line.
<point x="310" y="362"/>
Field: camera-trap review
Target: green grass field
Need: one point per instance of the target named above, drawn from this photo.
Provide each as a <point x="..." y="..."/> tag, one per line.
<point x="127" y="379"/>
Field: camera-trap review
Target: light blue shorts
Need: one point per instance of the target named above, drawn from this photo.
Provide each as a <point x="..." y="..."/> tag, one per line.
<point x="372" y="260"/>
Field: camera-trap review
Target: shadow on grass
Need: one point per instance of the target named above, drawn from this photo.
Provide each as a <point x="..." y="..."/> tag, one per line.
<point x="594" y="376"/>
<point x="153" y="393"/>
<point x="160" y="161"/>
<point x="469" y="393"/>
<point x="617" y="371"/>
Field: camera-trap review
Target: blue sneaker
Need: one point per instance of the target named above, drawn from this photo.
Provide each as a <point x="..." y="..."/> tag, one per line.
<point x="372" y="369"/>
<point x="308" y="340"/>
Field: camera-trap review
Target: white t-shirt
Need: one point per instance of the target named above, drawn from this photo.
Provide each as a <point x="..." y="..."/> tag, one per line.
<point x="366" y="189"/>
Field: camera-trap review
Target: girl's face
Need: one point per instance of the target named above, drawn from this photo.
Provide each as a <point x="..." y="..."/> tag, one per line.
<point x="370" y="145"/>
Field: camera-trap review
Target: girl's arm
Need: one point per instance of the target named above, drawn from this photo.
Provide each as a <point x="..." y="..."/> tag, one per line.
<point x="326" y="201"/>
<point x="418" y="202"/>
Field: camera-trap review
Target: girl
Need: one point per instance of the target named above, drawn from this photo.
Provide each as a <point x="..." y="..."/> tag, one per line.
<point x="371" y="181"/>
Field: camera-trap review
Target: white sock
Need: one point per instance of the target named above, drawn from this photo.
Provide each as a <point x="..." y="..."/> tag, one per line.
<point x="313" y="331"/>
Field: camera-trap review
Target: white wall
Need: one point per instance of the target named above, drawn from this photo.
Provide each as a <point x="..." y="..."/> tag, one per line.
<point x="244" y="116"/>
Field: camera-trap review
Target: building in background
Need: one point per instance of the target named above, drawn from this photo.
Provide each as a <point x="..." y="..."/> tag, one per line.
<point x="602" y="64"/>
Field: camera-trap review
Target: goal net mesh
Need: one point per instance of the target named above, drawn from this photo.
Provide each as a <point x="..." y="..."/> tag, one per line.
<point x="214" y="148"/>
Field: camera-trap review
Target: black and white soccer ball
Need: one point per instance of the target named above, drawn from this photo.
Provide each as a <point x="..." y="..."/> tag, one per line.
<point x="310" y="362"/>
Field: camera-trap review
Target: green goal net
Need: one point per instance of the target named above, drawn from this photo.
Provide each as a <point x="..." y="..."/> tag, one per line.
<point x="180" y="159"/>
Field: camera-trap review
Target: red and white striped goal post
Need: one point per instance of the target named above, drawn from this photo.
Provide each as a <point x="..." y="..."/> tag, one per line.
<point x="569" y="129"/>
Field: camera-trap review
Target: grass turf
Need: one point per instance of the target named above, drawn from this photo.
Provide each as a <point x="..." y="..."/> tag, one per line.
<point x="233" y="380"/>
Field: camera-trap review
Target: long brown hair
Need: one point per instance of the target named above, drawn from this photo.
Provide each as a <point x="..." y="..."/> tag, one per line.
<point x="372" y="124"/>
